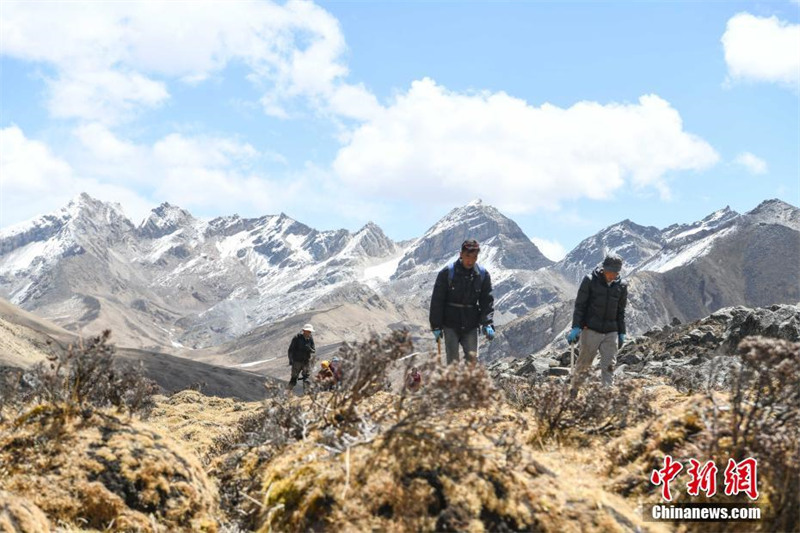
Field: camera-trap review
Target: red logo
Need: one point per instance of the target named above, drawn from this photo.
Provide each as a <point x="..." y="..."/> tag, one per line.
<point x="742" y="477"/>
<point x="739" y="477"/>
<point x="665" y="475"/>
<point x="703" y="478"/>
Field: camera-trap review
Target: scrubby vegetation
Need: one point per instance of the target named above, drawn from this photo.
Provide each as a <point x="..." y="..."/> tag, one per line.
<point x="83" y="376"/>
<point x="464" y="453"/>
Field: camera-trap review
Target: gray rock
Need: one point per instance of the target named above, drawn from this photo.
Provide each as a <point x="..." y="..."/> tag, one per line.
<point x="630" y="359"/>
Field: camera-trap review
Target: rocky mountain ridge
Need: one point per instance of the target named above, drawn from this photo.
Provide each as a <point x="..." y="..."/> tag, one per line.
<point x="177" y="283"/>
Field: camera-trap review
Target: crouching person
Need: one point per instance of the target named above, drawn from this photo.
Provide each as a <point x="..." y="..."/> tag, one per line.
<point x="325" y="378"/>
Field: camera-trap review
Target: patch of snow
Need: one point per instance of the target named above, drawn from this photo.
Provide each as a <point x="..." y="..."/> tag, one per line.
<point x="671" y="259"/>
<point x="21" y="259"/>
<point x="380" y="273"/>
<point x="254" y="363"/>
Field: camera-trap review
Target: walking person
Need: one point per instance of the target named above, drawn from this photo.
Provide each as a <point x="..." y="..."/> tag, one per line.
<point x="599" y="319"/>
<point x="301" y="349"/>
<point x="462" y="302"/>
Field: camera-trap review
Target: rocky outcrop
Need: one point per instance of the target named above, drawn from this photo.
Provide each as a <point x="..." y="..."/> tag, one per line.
<point x="700" y="349"/>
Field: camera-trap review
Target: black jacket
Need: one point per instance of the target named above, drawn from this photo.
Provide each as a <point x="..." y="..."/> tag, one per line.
<point x="464" y="303"/>
<point x="300" y="349"/>
<point x="600" y="306"/>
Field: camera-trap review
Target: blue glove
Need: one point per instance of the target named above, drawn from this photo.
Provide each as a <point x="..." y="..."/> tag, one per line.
<point x="436" y="334"/>
<point x="489" y="331"/>
<point x="573" y="335"/>
<point x="621" y="338"/>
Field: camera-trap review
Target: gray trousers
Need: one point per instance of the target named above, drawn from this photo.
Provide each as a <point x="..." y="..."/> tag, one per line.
<point x="591" y="342"/>
<point x="466" y="338"/>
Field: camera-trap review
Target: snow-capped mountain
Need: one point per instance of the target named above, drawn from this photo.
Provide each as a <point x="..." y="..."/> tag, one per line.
<point x="631" y="241"/>
<point x="723" y="260"/>
<point x="683" y="243"/>
<point x="504" y="243"/>
<point x="176" y="282"/>
<point x="518" y="269"/>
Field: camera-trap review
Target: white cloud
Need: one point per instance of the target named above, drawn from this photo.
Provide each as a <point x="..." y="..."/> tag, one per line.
<point x="207" y="175"/>
<point x="113" y="59"/>
<point x="553" y="250"/>
<point x="753" y="163"/>
<point x="432" y="143"/>
<point x="36" y="181"/>
<point x="199" y="173"/>
<point x="762" y="49"/>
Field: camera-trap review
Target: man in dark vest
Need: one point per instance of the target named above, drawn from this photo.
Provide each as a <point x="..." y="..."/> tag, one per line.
<point x="301" y="350"/>
<point x="462" y="302"/>
<point x="599" y="318"/>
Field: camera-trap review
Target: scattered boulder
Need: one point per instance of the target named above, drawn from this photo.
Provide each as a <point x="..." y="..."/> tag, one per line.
<point x="778" y="322"/>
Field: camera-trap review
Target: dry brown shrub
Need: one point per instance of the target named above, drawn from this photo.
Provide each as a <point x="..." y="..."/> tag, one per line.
<point x="562" y="411"/>
<point x="758" y="417"/>
<point x="763" y="422"/>
<point x="85" y="375"/>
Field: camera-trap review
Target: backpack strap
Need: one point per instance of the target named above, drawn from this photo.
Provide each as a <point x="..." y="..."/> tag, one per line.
<point x="451" y="272"/>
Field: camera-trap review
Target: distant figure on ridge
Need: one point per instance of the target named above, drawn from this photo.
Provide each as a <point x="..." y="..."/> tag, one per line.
<point x="301" y="350"/>
<point x="462" y="301"/>
<point x="599" y="319"/>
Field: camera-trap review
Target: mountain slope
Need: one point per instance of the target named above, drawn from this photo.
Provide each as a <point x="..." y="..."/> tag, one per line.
<point x="26" y="340"/>
<point x="723" y="260"/>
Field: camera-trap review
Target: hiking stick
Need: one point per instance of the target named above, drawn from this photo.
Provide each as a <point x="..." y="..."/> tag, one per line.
<point x="572" y="357"/>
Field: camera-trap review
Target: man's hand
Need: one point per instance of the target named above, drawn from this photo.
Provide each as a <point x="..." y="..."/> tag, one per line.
<point x="573" y="335"/>
<point x="437" y="333"/>
<point x="489" y="332"/>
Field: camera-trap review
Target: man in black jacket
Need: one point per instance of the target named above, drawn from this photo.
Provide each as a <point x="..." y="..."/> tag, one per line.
<point x="599" y="318"/>
<point x="462" y="301"/>
<point x="300" y="351"/>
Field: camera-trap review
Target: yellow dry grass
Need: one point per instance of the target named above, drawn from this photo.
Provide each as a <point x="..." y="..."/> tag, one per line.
<point x="96" y="470"/>
<point x="18" y="515"/>
<point x="369" y="487"/>
<point x="199" y="421"/>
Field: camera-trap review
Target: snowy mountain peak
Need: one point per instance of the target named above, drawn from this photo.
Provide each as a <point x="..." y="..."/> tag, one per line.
<point x="776" y="212"/>
<point x="165" y="219"/>
<point x="678" y="234"/>
<point x="84" y="213"/>
<point x="633" y="242"/>
<point x="509" y="246"/>
<point x="685" y="243"/>
<point x="371" y="241"/>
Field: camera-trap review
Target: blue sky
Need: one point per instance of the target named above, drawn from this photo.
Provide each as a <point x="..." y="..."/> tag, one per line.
<point x="566" y="116"/>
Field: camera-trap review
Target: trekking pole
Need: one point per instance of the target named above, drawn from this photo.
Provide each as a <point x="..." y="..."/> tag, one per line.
<point x="439" y="347"/>
<point x="572" y="356"/>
